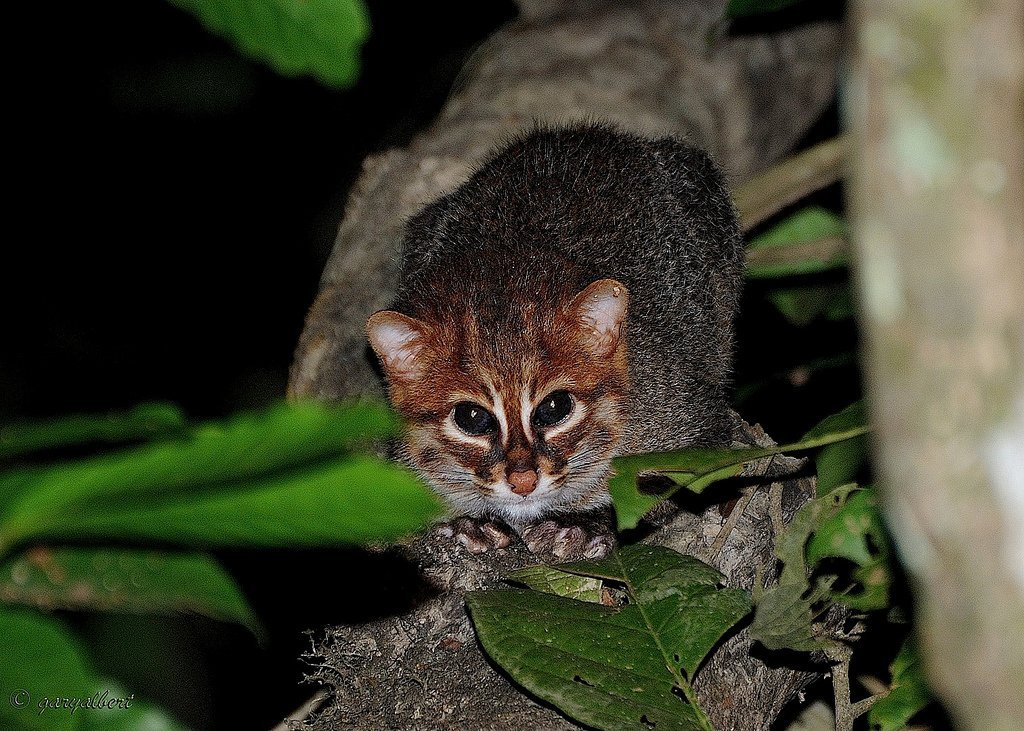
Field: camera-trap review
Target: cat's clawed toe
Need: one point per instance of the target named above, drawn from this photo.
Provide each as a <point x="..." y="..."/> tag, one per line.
<point x="568" y="542"/>
<point x="477" y="535"/>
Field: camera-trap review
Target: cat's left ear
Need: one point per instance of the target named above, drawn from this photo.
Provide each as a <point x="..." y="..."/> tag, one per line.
<point x="398" y="341"/>
<point x="599" y="312"/>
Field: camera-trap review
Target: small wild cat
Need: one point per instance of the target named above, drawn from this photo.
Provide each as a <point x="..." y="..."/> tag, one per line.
<point x="571" y="302"/>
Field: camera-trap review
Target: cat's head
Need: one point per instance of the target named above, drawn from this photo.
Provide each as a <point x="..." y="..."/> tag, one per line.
<point x="518" y="421"/>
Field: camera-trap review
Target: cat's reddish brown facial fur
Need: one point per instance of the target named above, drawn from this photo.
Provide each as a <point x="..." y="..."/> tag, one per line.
<point x="520" y="467"/>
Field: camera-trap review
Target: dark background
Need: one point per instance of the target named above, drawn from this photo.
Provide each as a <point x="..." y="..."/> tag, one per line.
<point x="172" y="207"/>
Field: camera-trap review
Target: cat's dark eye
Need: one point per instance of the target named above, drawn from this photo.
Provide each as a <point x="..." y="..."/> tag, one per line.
<point x="474" y="419"/>
<point x="553" y="409"/>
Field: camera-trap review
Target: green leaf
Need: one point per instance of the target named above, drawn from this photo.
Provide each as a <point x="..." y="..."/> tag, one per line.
<point x="908" y="696"/>
<point x="143" y="422"/>
<point x="784" y="618"/>
<point x="743" y="8"/>
<point x="627" y="667"/>
<point x="856" y="533"/>
<point x="811" y="240"/>
<point x="551" y="580"/>
<point x="40" y="659"/>
<point x="696" y="469"/>
<point x="295" y="37"/>
<point x="124" y="580"/>
<point x="802" y="305"/>
<point x="280" y="478"/>
<point x="839" y="463"/>
<point x="785" y="615"/>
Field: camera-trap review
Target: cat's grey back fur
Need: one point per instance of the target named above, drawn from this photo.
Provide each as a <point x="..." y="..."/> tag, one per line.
<point x="589" y="202"/>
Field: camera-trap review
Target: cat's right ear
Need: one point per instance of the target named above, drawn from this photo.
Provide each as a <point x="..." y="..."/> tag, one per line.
<point x="398" y="341"/>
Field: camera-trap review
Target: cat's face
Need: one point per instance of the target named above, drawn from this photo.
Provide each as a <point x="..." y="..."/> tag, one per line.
<point x="515" y="424"/>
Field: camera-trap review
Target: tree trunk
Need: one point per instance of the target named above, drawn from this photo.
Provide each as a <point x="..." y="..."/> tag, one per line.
<point x="938" y="211"/>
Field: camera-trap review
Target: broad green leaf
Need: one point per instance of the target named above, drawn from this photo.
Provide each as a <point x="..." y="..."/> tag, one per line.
<point x="696" y="469"/>
<point x="143" y="422"/>
<point x="322" y="38"/>
<point x="40" y="659"/>
<point x="802" y="305"/>
<point x="356" y="499"/>
<point x="856" y="533"/>
<point x="811" y="240"/>
<point x="743" y="8"/>
<point x="281" y="477"/>
<point x="627" y="667"/>
<point x="908" y="696"/>
<point x="552" y="580"/>
<point x="124" y="580"/>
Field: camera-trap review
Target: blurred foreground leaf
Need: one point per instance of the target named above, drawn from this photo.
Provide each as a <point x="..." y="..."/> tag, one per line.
<point x="124" y="580"/>
<point x="696" y="469"/>
<point x="143" y="422"/>
<point x="295" y="37"/>
<point x="284" y="477"/>
<point x="628" y="667"/>
<point x="42" y="661"/>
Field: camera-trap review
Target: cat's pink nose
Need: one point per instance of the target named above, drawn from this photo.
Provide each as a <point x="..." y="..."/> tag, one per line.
<point x="523" y="483"/>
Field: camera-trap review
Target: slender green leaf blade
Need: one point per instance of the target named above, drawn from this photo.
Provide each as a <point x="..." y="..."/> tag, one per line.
<point x="697" y="469"/>
<point x="694" y="469"/>
<point x="318" y="37"/>
<point x="811" y="240"/>
<point x="124" y="580"/>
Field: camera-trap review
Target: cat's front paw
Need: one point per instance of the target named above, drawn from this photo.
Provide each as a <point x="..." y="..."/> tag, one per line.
<point x="477" y="535"/>
<point x="568" y="541"/>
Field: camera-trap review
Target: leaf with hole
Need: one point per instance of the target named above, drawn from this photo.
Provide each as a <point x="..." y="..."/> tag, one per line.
<point x="697" y="469"/>
<point x="624" y="667"/>
<point x="856" y="533"/>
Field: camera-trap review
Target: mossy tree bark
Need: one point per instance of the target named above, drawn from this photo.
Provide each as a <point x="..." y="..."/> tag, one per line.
<point x="938" y="208"/>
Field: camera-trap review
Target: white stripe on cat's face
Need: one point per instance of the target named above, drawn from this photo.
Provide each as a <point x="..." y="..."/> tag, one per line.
<point x="527" y="405"/>
<point x="525" y="412"/>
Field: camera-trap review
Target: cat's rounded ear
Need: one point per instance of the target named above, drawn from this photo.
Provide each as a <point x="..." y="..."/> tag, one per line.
<point x="599" y="311"/>
<point x="398" y="341"/>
